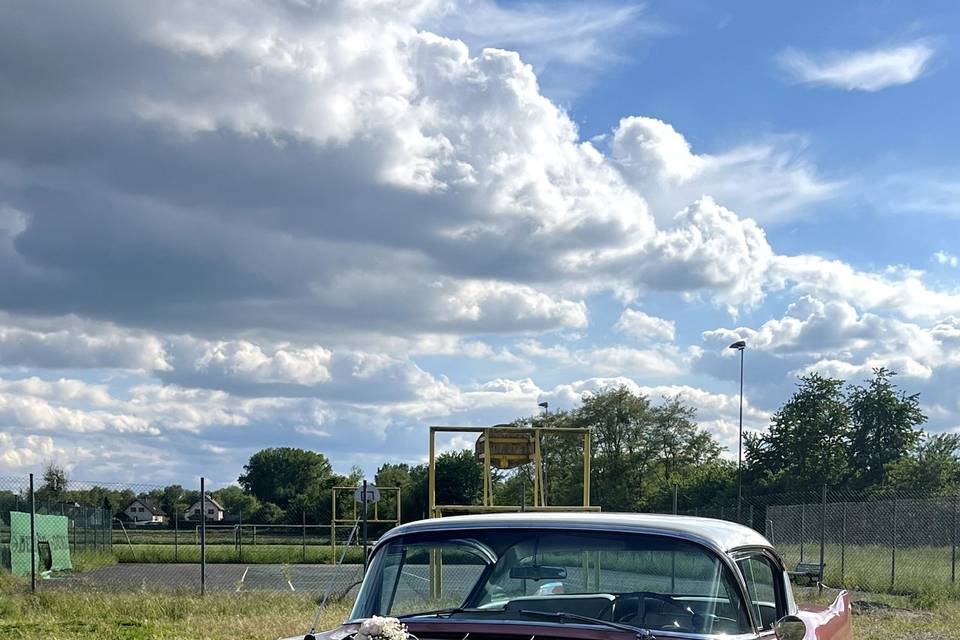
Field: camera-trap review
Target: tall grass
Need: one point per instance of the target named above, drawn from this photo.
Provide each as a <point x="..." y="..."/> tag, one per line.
<point x="220" y="554"/>
<point x="135" y="616"/>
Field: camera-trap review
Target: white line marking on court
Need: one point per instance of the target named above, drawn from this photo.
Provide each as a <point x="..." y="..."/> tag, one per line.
<point x="242" y="578"/>
<point x="291" y="585"/>
<point x="413" y="575"/>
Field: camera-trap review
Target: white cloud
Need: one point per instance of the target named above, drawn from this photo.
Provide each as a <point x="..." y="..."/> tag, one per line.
<point x="709" y="249"/>
<point x="848" y="344"/>
<point x="638" y="324"/>
<point x="344" y="194"/>
<point x="946" y="259"/>
<point x="768" y="180"/>
<point x="70" y="342"/>
<point x="864" y="70"/>
<point x="897" y="290"/>
<point x="23" y="453"/>
<point x="249" y="363"/>
<point x="545" y="33"/>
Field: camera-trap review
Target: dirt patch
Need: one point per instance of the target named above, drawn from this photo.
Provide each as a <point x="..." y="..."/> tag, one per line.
<point x="874" y="608"/>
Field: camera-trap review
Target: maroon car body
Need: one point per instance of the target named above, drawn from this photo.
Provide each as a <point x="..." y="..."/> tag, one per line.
<point x="591" y="576"/>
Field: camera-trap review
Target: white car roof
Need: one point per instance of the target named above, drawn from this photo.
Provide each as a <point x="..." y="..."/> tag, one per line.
<point x="720" y="535"/>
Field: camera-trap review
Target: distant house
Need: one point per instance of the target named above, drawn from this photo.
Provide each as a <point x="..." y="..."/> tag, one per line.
<point x="145" y="510"/>
<point x="214" y="510"/>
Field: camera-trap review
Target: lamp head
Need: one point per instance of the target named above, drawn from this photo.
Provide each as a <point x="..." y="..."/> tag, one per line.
<point x="740" y="345"/>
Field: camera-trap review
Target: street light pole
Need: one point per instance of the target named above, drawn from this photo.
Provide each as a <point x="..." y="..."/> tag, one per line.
<point x="740" y="345"/>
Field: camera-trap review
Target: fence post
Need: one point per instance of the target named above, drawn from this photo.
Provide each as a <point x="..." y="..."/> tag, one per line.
<point x="240" y="537"/>
<point x="721" y="513"/>
<point x="536" y="498"/>
<point x="893" y="546"/>
<point x="203" y="536"/>
<point x="803" y="522"/>
<point x="303" y="534"/>
<point x="751" y="516"/>
<point x="176" y="534"/>
<point x="823" y="532"/>
<point x="33" y="538"/>
<point x="953" y="543"/>
<point x="843" y="543"/>
<point x="674" y="499"/>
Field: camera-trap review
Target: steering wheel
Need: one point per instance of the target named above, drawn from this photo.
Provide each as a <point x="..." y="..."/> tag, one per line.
<point x="639" y="613"/>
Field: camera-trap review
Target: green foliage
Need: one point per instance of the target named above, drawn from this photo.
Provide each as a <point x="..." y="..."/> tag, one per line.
<point x="933" y="469"/>
<point x="284" y="474"/>
<point x="865" y="436"/>
<point x="807" y="444"/>
<point x="459" y="478"/>
<point x="236" y="501"/>
<point x="885" y="422"/>
<point x="54" y="484"/>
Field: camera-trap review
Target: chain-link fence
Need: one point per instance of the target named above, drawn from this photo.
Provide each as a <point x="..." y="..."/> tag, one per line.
<point x="896" y="543"/>
<point x="124" y="537"/>
<point x="105" y="536"/>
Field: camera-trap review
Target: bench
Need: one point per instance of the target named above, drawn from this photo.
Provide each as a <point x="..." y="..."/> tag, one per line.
<point x="812" y="571"/>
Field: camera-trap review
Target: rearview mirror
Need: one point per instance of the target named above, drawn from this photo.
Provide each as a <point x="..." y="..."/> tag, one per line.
<point x="790" y="628"/>
<point x="537" y="572"/>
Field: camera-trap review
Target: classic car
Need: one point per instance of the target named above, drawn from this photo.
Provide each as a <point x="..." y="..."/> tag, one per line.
<point x="585" y="575"/>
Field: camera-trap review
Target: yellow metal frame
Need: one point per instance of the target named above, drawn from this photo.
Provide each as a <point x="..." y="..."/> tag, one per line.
<point x="376" y="519"/>
<point x="539" y="491"/>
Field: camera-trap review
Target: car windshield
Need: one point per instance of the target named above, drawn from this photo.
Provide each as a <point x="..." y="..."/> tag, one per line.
<point x="654" y="582"/>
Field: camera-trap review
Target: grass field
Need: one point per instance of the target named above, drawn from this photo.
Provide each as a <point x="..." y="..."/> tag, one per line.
<point x="260" y="554"/>
<point x="65" y="615"/>
<point x="868" y="567"/>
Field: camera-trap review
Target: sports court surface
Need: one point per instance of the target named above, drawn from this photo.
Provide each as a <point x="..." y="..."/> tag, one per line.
<point x="310" y="578"/>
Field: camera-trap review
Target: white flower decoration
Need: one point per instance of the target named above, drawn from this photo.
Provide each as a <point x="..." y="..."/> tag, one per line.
<point x="380" y="628"/>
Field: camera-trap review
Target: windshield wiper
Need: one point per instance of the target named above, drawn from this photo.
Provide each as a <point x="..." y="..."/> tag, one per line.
<point x="449" y="611"/>
<point x="562" y="616"/>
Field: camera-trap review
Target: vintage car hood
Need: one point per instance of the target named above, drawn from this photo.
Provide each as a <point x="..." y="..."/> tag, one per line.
<point x="489" y="630"/>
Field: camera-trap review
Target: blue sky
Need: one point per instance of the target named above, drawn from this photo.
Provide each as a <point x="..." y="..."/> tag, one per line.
<point x="229" y="227"/>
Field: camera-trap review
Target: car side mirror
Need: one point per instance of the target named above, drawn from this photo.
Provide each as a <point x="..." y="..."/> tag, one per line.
<point x="790" y="628"/>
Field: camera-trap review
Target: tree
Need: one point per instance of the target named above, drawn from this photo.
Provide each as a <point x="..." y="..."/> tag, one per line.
<point x="620" y="423"/>
<point x="459" y="478"/>
<point x="55" y="480"/>
<point x="806" y="445"/>
<point x="396" y="475"/>
<point x="678" y="442"/>
<point x="280" y="475"/>
<point x="933" y="469"/>
<point x="236" y="502"/>
<point x="885" y="422"/>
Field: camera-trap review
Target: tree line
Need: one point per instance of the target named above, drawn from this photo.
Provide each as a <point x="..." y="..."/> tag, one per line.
<point x="862" y="437"/>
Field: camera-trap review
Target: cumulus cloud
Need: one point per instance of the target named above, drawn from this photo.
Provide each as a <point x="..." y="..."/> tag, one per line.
<point x="21" y="453"/>
<point x="709" y="249"/>
<point x="946" y="259"/>
<point x="898" y="290"/>
<point x="849" y="344"/>
<point x="261" y="224"/>
<point x="637" y="324"/>
<point x="768" y="181"/>
<point x="864" y="70"/>
<point x="70" y="342"/>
